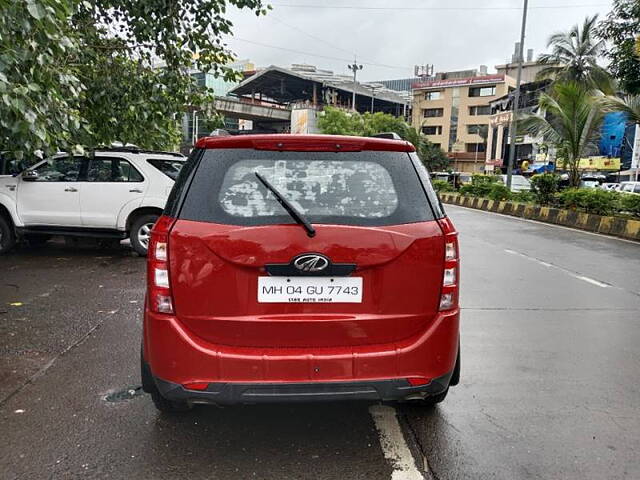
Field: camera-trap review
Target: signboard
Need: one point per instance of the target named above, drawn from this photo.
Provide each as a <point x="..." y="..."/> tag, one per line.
<point x="500" y="119"/>
<point x="599" y="163"/>
<point x="459" y="82"/>
<point x="635" y="157"/>
<point x="496" y="162"/>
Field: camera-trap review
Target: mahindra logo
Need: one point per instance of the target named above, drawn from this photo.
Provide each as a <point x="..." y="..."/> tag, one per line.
<point x="311" y="262"/>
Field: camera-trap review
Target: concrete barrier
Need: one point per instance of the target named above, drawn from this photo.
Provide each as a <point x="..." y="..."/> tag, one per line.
<point x="616" y="226"/>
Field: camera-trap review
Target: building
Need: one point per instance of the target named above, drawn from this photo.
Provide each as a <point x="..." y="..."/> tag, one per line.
<point x="453" y="111"/>
<point x="498" y="138"/>
<point x="530" y="67"/>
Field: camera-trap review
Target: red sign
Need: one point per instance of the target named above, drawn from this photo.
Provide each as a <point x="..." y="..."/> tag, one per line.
<point x="458" y="82"/>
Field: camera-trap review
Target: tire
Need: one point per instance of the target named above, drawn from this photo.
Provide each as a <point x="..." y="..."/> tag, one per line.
<point x="36" y="240"/>
<point x="140" y="232"/>
<point x="455" y="378"/>
<point x="162" y="404"/>
<point x="433" y="400"/>
<point x="7" y="235"/>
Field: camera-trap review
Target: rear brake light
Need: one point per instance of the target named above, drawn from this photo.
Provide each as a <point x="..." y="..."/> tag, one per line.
<point x="418" y="381"/>
<point x="158" y="282"/>
<point x="451" y="271"/>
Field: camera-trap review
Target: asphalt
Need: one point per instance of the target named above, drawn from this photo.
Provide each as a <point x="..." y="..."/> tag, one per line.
<point x="550" y="364"/>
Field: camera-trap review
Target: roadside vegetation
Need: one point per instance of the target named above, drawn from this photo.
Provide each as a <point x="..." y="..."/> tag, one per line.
<point x="335" y="121"/>
<point x="545" y="192"/>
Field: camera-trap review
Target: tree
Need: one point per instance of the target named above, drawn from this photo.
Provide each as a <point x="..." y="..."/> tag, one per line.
<point x="39" y="86"/>
<point x="621" y="29"/>
<point x="97" y="71"/>
<point x="570" y="118"/>
<point x="335" y="121"/>
<point x="574" y="56"/>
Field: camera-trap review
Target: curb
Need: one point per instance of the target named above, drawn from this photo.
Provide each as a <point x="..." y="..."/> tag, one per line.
<point x="615" y="226"/>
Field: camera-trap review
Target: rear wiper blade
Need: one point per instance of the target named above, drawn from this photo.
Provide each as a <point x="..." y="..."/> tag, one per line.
<point x="291" y="210"/>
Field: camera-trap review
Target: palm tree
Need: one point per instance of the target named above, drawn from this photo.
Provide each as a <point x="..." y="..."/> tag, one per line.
<point x="629" y="104"/>
<point x="574" y="55"/>
<point x="570" y="118"/>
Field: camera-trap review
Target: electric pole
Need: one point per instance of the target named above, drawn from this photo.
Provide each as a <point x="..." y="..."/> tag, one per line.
<point x="354" y="67"/>
<point x="516" y="99"/>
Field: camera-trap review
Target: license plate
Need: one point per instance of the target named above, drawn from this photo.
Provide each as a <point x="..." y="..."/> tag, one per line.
<point x="309" y="289"/>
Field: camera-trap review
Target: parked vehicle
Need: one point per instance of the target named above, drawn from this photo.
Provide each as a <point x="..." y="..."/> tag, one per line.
<point x="299" y="268"/>
<point x="630" y="187"/>
<point x="519" y="183"/>
<point x="611" y="187"/>
<point x="115" y="193"/>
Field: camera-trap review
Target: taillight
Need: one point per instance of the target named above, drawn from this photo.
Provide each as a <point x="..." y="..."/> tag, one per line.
<point x="451" y="273"/>
<point x="158" y="284"/>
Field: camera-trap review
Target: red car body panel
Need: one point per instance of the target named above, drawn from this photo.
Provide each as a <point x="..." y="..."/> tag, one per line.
<point x="218" y="332"/>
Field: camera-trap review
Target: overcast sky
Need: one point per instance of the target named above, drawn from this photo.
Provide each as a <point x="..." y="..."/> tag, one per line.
<point x="451" y="34"/>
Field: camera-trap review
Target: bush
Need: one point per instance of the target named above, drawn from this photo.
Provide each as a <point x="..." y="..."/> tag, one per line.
<point x="442" y="186"/>
<point x="480" y="185"/>
<point x="544" y="187"/>
<point x="523" y="197"/>
<point x="630" y="203"/>
<point x="590" y="200"/>
<point x="499" y="192"/>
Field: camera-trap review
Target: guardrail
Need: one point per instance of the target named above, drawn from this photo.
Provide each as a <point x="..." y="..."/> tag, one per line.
<point x="627" y="228"/>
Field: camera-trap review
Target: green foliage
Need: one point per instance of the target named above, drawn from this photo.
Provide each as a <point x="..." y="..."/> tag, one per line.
<point x="499" y="192"/>
<point x="97" y="71"/>
<point x="544" y="187"/>
<point x="590" y="200"/>
<point x="335" y="121"/>
<point x="620" y="29"/>
<point x="442" y="186"/>
<point x="39" y="82"/>
<point x="574" y="56"/>
<point x="572" y="124"/>
<point x="481" y="186"/>
<point x="523" y="197"/>
<point x="630" y="203"/>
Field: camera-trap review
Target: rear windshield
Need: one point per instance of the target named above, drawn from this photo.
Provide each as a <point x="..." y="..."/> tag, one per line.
<point x="171" y="168"/>
<point x="350" y="188"/>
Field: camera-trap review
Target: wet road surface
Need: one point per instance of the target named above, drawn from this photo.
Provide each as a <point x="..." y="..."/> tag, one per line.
<point x="550" y="335"/>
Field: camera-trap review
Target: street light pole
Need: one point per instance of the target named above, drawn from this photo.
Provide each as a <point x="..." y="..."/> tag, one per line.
<point x="354" y="67"/>
<point x="516" y="98"/>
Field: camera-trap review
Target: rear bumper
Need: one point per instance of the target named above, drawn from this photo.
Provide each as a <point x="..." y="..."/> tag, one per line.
<point x="177" y="357"/>
<point x="248" y="393"/>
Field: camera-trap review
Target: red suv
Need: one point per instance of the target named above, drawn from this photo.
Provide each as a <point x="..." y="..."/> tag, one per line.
<point x="300" y="268"/>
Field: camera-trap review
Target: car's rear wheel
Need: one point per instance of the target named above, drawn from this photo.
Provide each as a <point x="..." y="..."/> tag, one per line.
<point x="141" y="232"/>
<point x="162" y="404"/>
<point x="7" y="235"/>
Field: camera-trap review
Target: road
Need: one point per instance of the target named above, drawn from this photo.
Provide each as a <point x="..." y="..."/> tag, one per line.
<point x="550" y="335"/>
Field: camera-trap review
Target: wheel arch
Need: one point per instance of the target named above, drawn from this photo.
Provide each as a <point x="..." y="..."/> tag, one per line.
<point x="141" y="211"/>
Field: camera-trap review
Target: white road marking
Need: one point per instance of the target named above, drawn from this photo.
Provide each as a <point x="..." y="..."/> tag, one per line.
<point x="592" y="281"/>
<point x="393" y="444"/>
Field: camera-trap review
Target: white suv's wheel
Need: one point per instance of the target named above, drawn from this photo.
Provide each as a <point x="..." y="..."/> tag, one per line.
<point x="141" y="232"/>
<point x="7" y="237"/>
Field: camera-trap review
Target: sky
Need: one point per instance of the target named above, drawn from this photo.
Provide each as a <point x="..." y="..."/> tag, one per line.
<point x="390" y="37"/>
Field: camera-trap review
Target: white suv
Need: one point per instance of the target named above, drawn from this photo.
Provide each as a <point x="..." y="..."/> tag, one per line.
<point x="113" y="193"/>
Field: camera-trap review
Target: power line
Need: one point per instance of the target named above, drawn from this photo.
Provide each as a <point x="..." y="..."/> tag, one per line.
<point x="322" y="40"/>
<point x="328" y="57"/>
<point x="358" y="7"/>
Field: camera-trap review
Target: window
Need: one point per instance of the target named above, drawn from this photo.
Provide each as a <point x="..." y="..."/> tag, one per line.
<point x="11" y="167"/>
<point x="480" y="110"/>
<point x="61" y="169"/>
<point x="475" y="147"/>
<point x="171" y="168"/>
<point x="435" y="95"/>
<point x="432" y="112"/>
<point x="352" y="188"/>
<point x="482" y="91"/>
<point x="116" y="170"/>
<point x="432" y="130"/>
<point x="477" y="129"/>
